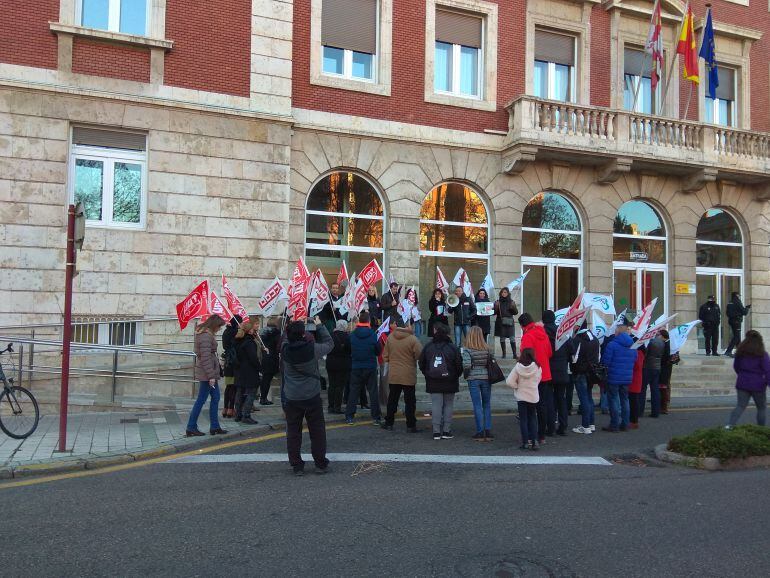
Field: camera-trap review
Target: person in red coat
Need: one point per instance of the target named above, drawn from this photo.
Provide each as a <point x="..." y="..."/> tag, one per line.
<point x="635" y="389"/>
<point x="535" y="337"/>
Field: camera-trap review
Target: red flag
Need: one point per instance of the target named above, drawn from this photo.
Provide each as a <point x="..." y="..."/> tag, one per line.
<point x="233" y="303"/>
<point x="196" y="304"/>
<point x="343" y="274"/>
<point x="216" y="307"/>
<point x="298" y="293"/>
<point x="371" y="274"/>
<point x="687" y="47"/>
<point x="441" y="281"/>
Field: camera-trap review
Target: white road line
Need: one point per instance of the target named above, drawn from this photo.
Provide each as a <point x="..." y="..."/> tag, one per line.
<point x="404" y="458"/>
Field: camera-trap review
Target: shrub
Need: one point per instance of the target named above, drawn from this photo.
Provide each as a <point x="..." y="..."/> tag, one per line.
<point x="740" y="442"/>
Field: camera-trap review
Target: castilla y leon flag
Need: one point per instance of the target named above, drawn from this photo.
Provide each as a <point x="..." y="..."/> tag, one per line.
<point x="687" y="47"/>
<point x="219" y="308"/>
<point x="654" y="45"/>
<point x="273" y="293"/>
<point x="233" y="303"/>
<point x="196" y="304"/>
<point x="370" y="274"/>
<point x="343" y="274"/>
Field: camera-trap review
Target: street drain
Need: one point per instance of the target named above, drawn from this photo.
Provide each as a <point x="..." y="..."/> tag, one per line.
<point x="512" y="566"/>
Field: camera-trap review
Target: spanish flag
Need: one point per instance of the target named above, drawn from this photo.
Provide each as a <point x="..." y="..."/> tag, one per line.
<point x="688" y="47"/>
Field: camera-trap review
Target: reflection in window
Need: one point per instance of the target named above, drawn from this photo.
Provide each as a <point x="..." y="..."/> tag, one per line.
<point x="639" y="219"/>
<point x="719" y="241"/>
<point x="550" y="228"/>
<point x="344" y="220"/>
<point x="454" y="233"/>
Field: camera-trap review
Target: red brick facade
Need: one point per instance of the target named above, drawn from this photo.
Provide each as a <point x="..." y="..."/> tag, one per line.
<point x="110" y="60"/>
<point x="407" y="100"/>
<point x="25" y="38"/>
<point x="212" y="45"/>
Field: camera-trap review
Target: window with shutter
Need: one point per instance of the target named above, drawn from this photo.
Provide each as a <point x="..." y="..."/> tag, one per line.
<point x="554" y="69"/>
<point x="349" y="38"/>
<point x="108" y="174"/>
<point x="637" y="83"/>
<point x="722" y="109"/>
<point x="458" y="53"/>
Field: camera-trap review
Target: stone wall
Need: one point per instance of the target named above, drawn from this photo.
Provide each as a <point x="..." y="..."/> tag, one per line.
<point x="218" y="193"/>
<point x="406" y="172"/>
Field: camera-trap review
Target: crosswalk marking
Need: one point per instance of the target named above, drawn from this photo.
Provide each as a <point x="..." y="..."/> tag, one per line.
<point x="402" y="458"/>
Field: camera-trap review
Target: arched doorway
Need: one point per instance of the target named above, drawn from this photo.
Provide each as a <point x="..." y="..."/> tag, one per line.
<point x="454" y="233"/>
<point x="639" y="258"/>
<point x="551" y="249"/>
<point x="344" y="220"/>
<point x="719" y="262"/>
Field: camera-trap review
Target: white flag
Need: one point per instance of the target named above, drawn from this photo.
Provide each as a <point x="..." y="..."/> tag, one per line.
<point x="560" y="315"/>
<point x="383" y="328"/>
<point x="462" y="280"/>
<point x="272" y="295"/>
<point x="643" y="319"/>
<point x="679" y="334"/>
<point x="617" y="321"/>
<point x="488" y="285"/>
<point x="652" y="332"/>
<point x="518" y="281"/>
<point x="441" y="282"/>
<point x="572" y="320"/>
<point x="603" y="303"/>
<point x="319" y="293"/>
<point x="600" y="326"/>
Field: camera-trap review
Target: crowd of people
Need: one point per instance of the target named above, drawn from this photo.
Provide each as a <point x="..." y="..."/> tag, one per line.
<point x="372" y="370"/>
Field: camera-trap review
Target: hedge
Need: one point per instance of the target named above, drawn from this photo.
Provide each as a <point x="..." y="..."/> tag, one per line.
<point x="742" y="441"/>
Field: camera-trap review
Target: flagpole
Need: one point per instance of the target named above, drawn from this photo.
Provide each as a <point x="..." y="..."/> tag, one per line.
<point x="689" y="96"/>
<point x="674" y="59"/>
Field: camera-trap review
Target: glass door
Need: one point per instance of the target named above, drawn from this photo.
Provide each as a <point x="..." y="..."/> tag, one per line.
<point x="549" y="286"/>
<point x="721" y="285"/>
<point x="705" y="285"/>
<point x="635" y="287"/>
<point x="727" y="284"/>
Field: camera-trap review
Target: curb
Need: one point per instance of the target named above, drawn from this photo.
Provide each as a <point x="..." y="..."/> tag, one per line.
<point x="663" y="454"/>
<point x="96" y="462"/>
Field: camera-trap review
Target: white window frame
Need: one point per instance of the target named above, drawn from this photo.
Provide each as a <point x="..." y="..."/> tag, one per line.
<point x="715" y="111"/>
<point x="113" y="19"/>
<point x="347" y="65"/>
<point x="109" y="157"/>
<point x="457" y="71"/>
<point x="551" y="80"/>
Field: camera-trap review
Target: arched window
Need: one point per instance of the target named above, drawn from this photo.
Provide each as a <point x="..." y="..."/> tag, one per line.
<point x="639" y="257"/>
<point x="454" y="233"/>
<point x="719" y="261"/>
<point x="344" y="220"/>
<point x="551" y="242"/>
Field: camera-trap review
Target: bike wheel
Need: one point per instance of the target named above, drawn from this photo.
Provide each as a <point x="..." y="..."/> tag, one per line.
<point x="19" y="413"/>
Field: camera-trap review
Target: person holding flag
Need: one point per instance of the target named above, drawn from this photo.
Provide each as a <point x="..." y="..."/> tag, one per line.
<point x="619" y="359"/>
<point x="390" y="299"/>
<point x="463" y="312"/>
<point x="207" y="373"/>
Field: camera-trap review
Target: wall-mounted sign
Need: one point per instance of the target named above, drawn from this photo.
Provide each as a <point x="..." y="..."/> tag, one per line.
<point x="684" y="288"/>
<point x="639" y="256"/>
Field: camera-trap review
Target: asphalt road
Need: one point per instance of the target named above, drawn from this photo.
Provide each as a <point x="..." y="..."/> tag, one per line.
<point x="634" y="518"/>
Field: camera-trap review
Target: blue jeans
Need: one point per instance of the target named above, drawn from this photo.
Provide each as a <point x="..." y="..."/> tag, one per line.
<point x="586" y="400"/>
<point x="418" y="328"/>
<point x="650" y="377"/>
<point x="619" y="407"/>
<point x="204" y="390"/>
<point x="604" y="402"/>
<point x="460" y="332"/>
<point x="528" y="422"/>
<point x="481" y="396"/>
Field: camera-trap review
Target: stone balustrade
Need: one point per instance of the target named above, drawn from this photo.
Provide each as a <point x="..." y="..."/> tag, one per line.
<point x="562" y="128"/>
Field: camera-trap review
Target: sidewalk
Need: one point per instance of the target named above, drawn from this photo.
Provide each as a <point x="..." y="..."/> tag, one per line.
<point x="104" y="439"/>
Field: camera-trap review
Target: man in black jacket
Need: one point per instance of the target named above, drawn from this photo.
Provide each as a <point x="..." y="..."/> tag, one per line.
<point x="463" y="313"/>
<point x="389" y="301"/>
<point x="587" y="347"/>
<point x="735" y="312"/>
<point x="271" y="337"/>
<point x="710" y="318"/>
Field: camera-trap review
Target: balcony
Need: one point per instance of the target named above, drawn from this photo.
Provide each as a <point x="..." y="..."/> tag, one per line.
<point x="616" y="141"/>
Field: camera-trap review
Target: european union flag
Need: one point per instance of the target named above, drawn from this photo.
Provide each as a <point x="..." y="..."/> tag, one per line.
<point x="708" y="53"/>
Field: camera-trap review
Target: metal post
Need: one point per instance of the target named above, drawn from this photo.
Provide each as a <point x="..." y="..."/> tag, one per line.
<point x="20" y="369"/>
<point x="114" y="374"/>
<point x="31" y="359"/>
<point x="67" y="329"/>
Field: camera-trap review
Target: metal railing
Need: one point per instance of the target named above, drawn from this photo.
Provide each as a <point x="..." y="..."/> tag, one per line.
<point x="35" y="354"/>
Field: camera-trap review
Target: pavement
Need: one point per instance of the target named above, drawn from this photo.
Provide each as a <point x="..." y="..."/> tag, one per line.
<point x="234" y="516"/>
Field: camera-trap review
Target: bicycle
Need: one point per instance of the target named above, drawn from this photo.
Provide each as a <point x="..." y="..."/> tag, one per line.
<point x="19" y="412"/>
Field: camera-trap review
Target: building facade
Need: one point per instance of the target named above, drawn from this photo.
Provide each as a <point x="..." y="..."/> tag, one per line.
<point x="500" y="136"/>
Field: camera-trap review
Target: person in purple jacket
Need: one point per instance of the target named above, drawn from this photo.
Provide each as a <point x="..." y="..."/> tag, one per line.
<point x="752" y="365"/>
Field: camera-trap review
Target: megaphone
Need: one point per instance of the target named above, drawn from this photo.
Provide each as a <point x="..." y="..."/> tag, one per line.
<point x="453" y="300"/>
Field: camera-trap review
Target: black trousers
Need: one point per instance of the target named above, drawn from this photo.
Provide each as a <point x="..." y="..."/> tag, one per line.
<point x="339" y="381"/>
<point x="560" y="403"/>
<point x="410" y="404"/>
<point x="735" y="339"/>
<point x="711" y="336"/>
<point x="264" y="387"/>
<point x="244" y="401"/>
<point x="363" y="380"/>
<point x="311" y="411"/>
<point x="546" y="413"/>
<point x="634" y="406"/>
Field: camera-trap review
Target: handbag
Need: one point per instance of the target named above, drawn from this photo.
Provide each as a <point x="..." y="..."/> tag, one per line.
<point x="597" y="373"/>
<point x="507" y="321"/>
<point x="496" y="374"/>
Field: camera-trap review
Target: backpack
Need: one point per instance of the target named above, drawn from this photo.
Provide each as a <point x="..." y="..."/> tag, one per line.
<point x="437" y="366"/>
